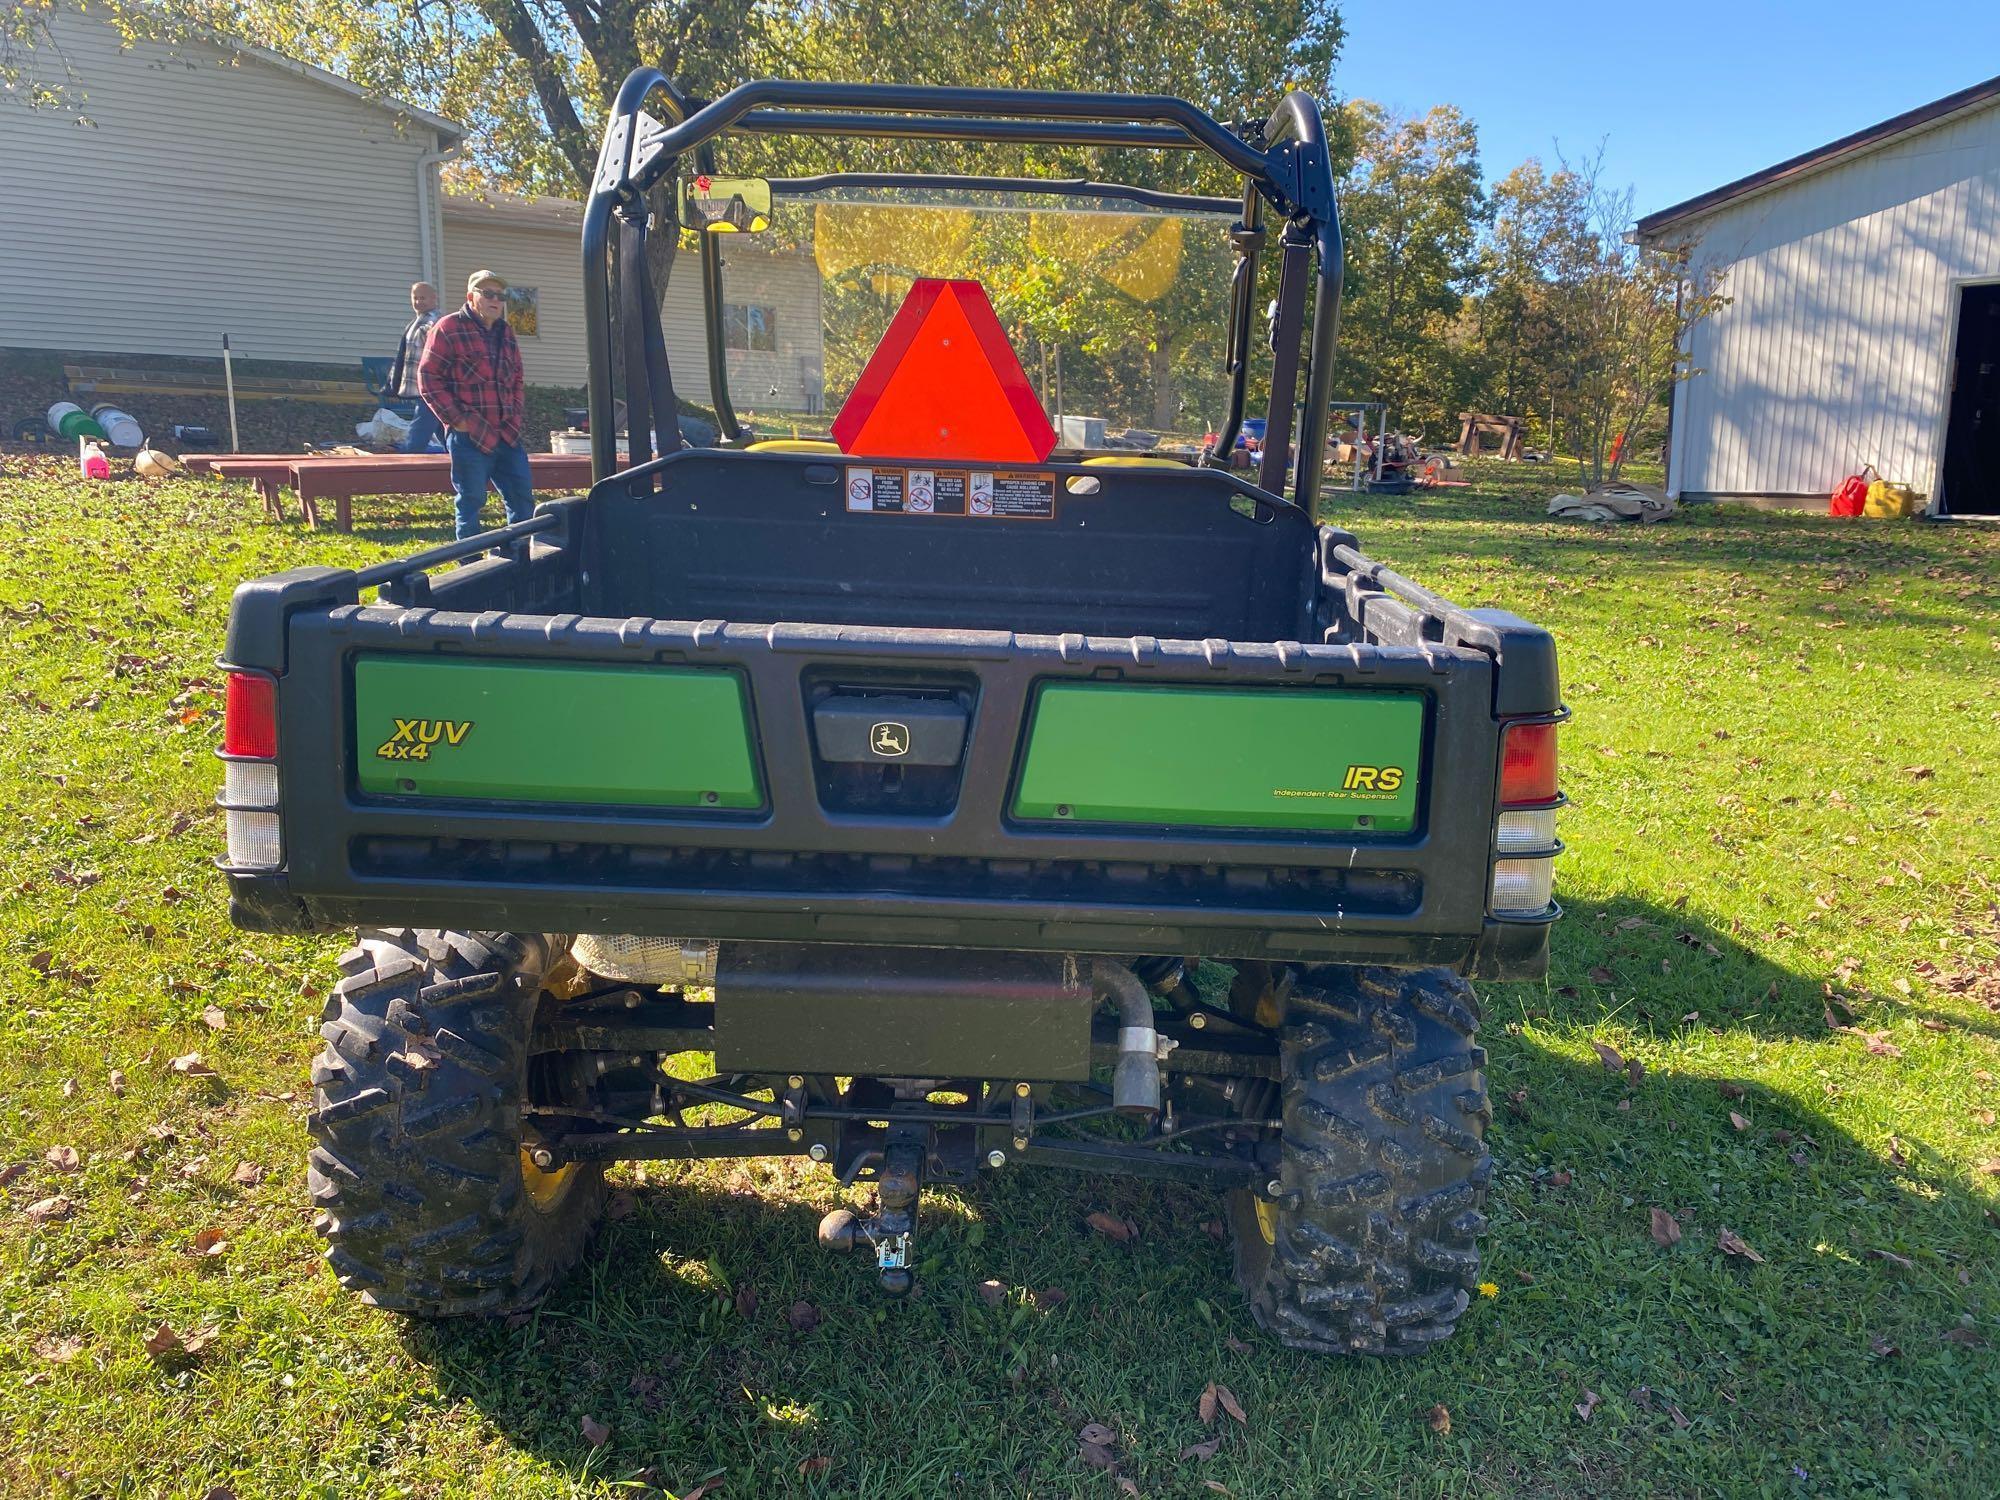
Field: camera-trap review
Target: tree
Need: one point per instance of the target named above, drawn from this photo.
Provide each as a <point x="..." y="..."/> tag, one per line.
<point x="1411" y="206"/>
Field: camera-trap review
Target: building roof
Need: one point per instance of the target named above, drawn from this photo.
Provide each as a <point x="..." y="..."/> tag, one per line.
<point x="1978" y="96"/>
<point x="334" y="81"/>
<point x="513" y="210"/>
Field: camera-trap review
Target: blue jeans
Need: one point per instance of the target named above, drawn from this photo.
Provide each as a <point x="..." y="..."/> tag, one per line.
<point x="423" y="427"/>
<point x="472" y="468"/>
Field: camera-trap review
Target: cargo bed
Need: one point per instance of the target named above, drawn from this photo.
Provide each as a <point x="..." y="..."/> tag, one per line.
<point x="756" y="696"/>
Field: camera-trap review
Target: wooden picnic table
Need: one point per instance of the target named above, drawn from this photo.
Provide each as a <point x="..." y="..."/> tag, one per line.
<point x="341" y="479"/>
<point x="270" y="472"/>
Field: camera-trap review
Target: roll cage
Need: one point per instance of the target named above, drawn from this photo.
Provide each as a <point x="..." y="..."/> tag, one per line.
<point x="1284" y="163"/>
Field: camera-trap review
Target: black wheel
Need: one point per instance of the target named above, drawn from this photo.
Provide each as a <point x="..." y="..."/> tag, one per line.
<point x="420" y="1164"/>
<point x="1368" y="1241"/>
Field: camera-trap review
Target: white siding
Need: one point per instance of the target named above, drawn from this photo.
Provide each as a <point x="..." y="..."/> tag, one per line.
<point x="549" y="260"/>
<point x="216" y="194"/>
<point x="1834" y="351"/>
<point x="549" y="257"/>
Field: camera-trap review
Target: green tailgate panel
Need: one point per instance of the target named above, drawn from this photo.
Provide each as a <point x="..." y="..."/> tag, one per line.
<point x="1330" y="760"/>
<point x="510" y="731"/>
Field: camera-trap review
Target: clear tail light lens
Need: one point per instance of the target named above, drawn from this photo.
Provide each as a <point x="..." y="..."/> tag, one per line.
<point x="1530" y="832"/>
<point x="1523" y="887"/>
<point x="254" y="841"/>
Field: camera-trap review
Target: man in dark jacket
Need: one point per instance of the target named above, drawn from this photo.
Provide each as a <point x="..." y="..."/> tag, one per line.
<point x="471" y="376"/>
<point x="403" y="374"/>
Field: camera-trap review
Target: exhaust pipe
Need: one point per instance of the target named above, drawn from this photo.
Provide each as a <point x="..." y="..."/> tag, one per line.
<point x="1135" y="1081"/>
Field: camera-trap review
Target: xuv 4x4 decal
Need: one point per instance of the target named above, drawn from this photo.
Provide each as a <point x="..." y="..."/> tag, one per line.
<point x="414" y="738"/>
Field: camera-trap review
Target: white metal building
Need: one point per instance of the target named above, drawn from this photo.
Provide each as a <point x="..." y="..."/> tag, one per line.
<point x="1864" y="320"/>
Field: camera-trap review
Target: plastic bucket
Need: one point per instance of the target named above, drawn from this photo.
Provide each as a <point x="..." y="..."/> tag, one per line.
<point x="119" y="427"/>
<point x="67" y="419"/>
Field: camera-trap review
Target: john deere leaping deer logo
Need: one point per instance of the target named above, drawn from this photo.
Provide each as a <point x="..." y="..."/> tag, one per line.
<point x="414" y="738"/>
<point x="889" y="738"/>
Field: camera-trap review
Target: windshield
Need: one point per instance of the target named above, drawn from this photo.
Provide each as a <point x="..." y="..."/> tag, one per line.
<point x="1116" y="313"/>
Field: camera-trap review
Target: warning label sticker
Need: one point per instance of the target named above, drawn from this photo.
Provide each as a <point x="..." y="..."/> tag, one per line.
<point x="1022" y="495"/>
<point x="1001" y="494"/>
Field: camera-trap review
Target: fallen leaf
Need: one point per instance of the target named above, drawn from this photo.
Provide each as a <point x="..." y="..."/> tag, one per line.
<point x="1205" y="1405"/>
<point x="1729" y="1242"/>
<point x="992" y="1292"/>
<point x="190" y="1065"/>
<point x="1438" y="1419"/>
<point x="63" y="1158"/>
<point x="117" y="1081"/>
<point x="1559" y="1178"/>
<point x="803" y="1317"/>
<point x="1680" y="1417"/>
<point x="10" y="1172"/>
<point x="1881" y="1348"/>
<point x="1113" y="1227"/>
<point x="1049" y="1298"/>
<point x="1231" y="1405"/>
<point x="1965" y="1336"/>
<point x="220" y="1492"/>
<point x="1666" y="1229"/>
<point x="818" y="1464"/>
<point x="1930" y="1023"/>
<point x="1738" y="1121"/>
<point x="210" y="1242"/>
<point x="214" y="1018"/>
<point x="1600" y="975"/>
<point x="1901" y="1262"/>
<point x="1203" y="1450"/>
<point x="1095" y="1454"/>
<point x="1098" y="1433"/>
<point x="1633" y="924"/>
<point x="1235" y="1345"/>
<point x="746" y="1301"/>
<point x="518" y="1320"/>
<point x="1588" y="1404"/>
<point x="69" y="1088"/>
<point x="48" y="1210"/>
<point x="1526" y="1278"/>
<point x="59" y="1351"/>
<point x="164" y="1343"/>
<point x="707" y="1487"/>
<point x="1635" y="1071"/>
<point x="595" y="1432"/>
<point x="1919" y="773"/>
<point x="1610" y="1057"/>
<point x="1214" y="1230"/>
<point x="247" y="1174"/>
<point x="1218" y="1486"/>
<point x="620" y="1205"/>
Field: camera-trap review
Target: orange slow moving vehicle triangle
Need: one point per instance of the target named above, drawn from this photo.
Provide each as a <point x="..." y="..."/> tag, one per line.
<point x="944" y="383"/>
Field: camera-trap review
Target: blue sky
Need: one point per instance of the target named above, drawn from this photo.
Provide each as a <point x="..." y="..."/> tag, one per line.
<point x="1685" y="97"/>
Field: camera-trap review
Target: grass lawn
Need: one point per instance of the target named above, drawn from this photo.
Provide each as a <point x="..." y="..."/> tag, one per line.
<point x="1781" y="890"/>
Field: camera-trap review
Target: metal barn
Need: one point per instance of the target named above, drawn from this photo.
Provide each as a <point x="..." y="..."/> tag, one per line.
<point x="1864" y="321"/>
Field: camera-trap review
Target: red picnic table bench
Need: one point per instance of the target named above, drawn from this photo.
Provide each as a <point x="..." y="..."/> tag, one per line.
<point x="341" y="479"/>
<point x="270" y="472"/>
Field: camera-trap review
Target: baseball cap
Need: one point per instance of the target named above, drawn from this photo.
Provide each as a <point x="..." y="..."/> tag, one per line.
<point x="482" y="278"/>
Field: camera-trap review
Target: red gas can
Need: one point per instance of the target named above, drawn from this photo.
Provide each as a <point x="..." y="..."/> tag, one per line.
<point x="1851" y="496"/>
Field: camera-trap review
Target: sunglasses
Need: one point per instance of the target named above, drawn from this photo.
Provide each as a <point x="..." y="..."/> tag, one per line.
<point x="488" y="292"/>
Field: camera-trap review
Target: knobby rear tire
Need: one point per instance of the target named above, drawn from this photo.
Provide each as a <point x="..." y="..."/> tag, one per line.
<point x="416" y="1165"/>
<point x="1370" y="1246"/>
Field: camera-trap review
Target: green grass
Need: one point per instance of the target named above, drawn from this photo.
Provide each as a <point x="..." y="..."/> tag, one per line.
<point x="1751" y="851"/>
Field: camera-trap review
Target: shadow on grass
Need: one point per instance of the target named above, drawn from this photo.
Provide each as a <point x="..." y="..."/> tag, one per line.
<point x="1715" y="1370"/>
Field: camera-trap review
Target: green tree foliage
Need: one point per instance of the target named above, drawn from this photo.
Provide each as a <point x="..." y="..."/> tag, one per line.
<point x="1412" y="207"/>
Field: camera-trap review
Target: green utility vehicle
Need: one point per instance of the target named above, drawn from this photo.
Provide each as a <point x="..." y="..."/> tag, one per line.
<point x="973" y="801"/>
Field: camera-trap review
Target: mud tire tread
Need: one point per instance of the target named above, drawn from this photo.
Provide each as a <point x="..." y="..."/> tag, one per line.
<point x="416" y="1172"/>
<point x="1383" y="1165"/>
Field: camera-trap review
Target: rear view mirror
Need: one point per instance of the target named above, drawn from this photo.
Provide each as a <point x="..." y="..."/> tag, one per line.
<point x="726" y="205"/>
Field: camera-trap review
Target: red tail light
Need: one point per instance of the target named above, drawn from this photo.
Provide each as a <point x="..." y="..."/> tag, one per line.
<point x="1528" y="765"/>
<point x="250" y="716"/>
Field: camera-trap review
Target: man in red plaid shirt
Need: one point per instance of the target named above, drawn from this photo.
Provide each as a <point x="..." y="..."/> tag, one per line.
<point x="471" y="377"/>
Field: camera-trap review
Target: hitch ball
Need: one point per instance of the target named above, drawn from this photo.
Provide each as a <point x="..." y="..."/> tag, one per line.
<point x="839" y="1230"/>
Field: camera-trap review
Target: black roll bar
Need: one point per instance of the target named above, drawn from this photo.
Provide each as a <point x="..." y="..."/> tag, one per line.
<point x="1057" y="187"/>
<point x="1289" y="168"/>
